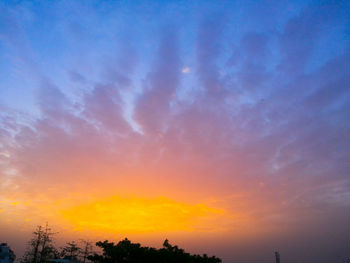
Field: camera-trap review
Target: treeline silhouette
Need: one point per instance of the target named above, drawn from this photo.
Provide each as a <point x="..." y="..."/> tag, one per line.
<point x="127" y="252"/>
<point x="41" y="249"/>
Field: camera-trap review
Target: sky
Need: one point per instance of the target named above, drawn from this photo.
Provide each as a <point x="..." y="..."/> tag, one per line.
<point x="223" y="126"/>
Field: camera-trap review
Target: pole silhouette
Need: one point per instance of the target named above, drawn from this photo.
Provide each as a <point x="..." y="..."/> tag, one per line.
<point x="278" y="258"/>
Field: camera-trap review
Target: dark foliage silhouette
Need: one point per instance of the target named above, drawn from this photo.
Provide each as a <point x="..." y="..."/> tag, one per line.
<point x="127" y="252"/>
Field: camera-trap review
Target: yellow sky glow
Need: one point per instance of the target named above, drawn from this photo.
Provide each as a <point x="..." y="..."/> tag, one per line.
<point x="136" y="215"/>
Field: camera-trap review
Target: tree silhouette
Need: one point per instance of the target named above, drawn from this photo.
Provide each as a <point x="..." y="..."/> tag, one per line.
<point x="71" y="250"/>
<point x="40" y="248"/>
<point x="127" y="252"/>
<point x="86" y="250"/>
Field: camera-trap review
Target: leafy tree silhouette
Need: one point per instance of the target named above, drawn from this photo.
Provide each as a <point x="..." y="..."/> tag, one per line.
<point x="127" y="252"/>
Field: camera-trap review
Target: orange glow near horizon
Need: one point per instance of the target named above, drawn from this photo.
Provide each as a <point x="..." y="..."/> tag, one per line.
<point x="120" y="214"/>
<point x="138" y="215"/>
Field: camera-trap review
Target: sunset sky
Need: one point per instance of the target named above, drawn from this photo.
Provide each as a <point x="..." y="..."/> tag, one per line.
<point x="223" y="126"/>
